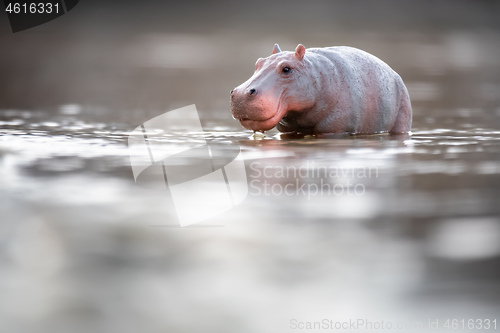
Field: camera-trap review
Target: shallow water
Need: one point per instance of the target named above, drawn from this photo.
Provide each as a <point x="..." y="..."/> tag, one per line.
<point x="401" y="229"/>
<point x="415" y="236"/>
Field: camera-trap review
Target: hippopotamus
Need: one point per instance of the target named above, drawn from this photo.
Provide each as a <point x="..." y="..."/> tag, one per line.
<point x="323" y="90"/>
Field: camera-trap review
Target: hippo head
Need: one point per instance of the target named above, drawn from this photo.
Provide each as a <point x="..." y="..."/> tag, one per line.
<point x="279" y="84"/>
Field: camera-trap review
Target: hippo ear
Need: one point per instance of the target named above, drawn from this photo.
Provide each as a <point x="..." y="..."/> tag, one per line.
<point x="300" y="50"/>
<point x="276" y="49"/>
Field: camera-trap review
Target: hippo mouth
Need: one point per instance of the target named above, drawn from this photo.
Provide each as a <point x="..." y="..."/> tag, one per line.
<point x="264" y="124"/>
<point x="261" y="124"/>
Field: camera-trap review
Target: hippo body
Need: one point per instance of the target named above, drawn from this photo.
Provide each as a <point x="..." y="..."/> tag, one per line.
<point x="323" y="90"/>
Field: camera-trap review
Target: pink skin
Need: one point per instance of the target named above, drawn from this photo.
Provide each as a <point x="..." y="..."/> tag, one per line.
<point x="323" y="90"/>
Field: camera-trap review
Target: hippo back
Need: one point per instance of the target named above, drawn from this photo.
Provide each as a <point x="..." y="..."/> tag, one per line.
<point x="366" y="87"/>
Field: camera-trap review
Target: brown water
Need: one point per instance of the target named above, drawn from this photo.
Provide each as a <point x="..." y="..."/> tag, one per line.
<point x="414" y="235"/>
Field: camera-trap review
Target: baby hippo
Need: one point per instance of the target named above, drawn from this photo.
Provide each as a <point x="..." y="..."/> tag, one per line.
<point x="323" y="90"/>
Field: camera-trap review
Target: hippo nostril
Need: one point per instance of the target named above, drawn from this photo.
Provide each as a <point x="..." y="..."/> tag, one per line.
<point x="231" y="92"/>
<point x="252" y="91"/>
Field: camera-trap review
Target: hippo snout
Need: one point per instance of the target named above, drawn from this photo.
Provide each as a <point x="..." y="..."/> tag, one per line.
<point x="238" y="104"/>
<point x="241" y="100"/>
<point x="246" y="92"/>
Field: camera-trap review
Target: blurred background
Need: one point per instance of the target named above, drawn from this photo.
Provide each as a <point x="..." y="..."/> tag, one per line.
<point x="83" y="248"/>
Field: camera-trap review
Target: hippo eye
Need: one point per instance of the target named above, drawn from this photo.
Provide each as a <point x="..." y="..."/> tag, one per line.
<point x="286" y="70"/>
